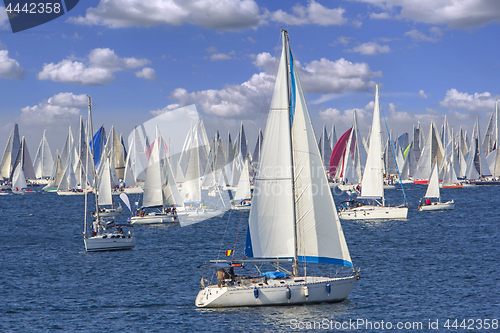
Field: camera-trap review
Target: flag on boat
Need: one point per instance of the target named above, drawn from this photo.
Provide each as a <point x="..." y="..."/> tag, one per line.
<point x="228" y="253"/>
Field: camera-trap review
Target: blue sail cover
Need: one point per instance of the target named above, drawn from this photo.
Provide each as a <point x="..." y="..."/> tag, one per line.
<point x="98" y="145"/>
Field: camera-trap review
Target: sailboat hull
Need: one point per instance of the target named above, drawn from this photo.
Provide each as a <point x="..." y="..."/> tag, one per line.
<point x="109" y="212"/>
<point x="133" y="189"/>
<point x="154" y="219"/>
<point x="241" y="207"/>
<point x="437" y="206"/>
<point x="299" y="290"/>
<point x="110" y="243"/>
<point x="369" y="212"/>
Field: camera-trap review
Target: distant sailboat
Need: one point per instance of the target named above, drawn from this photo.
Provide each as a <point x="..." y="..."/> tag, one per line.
<point x="105" y="202"/>
<point x="372" y="184"/>
<point x="242" y="197"/>
<point x="297" y="224"/>
<point x="432" y="192"/>
<point x="105" y="235"/>
<point x="43" y="162"/>
<point x="19" y="185"/>
<point x="160" y="191"/>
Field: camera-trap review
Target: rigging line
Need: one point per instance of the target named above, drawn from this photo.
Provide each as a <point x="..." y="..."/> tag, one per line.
<point x="224" y="236"/>
<point x="237" y="233"/>
<point x="394" y="155"/>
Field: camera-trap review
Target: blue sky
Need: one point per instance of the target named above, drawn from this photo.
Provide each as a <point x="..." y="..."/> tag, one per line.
<point x="137" y="59"/>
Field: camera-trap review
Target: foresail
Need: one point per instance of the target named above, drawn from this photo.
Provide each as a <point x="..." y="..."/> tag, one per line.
<point x="319" y="234"/>
<point x="271" y="230"/>
<point x="104" y="195"/>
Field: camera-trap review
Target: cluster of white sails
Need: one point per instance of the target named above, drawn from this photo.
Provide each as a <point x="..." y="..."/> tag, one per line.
<point x="143" y="165"/>
<point x="458" y="155"/>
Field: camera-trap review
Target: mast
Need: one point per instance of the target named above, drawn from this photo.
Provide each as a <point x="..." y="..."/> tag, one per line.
<point x="86" y="172"/>
<point x="291" y="105"/>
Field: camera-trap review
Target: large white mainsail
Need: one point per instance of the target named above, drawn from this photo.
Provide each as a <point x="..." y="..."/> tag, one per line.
<point x="319" y="233"/>
<point x="372" y="184"/>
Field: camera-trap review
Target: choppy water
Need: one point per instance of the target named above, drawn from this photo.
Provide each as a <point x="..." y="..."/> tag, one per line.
<point x="432" y="266"/>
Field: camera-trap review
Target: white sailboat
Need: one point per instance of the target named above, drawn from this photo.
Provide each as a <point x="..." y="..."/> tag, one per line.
<point x="293" y="217"/>
<point x="426" y="204"/>
<point x="191" y="191"/>
<point x="242" y="197"/>
<point x="372" y="184"/>
<point x="19" y="185"/>
<point x="105" y="202"/>
<point x="43" y="162"/>
<point x="105" y="235"/>
<point x="160" y="190"/>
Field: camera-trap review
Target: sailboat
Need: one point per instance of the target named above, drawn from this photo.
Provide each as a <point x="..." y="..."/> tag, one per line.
<point x="242" y="197"/>
<point x="105" y="202"/>
<point x="160" y="189"/>
<point x="372" y="184"/>
<point x="19" y="185"/>
<point x="426" y="203"/>
<point x="105" y="235"/>
<point x="293" y="217"/>
<point x="43" y="162"/>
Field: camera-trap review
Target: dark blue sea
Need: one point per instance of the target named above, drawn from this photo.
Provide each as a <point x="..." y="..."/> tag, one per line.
<point x="417" y="275"/>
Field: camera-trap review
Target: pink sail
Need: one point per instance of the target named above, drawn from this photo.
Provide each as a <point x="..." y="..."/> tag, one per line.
<point x="338" y="152"/>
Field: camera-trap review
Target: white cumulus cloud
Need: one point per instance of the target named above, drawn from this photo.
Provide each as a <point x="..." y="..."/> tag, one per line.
<point x="98" y="70"/>
<point x="221" y="15"/>
<point x="462" y="100"/>
<point x="147" y="73"/>
<point x="455" y="14"/>
<point x="314" y="13"/>
<point x="55" y="109"/>
<point x="370" y="48"/>
<point x="10" y="68"/>
<point x="245" y="100"/>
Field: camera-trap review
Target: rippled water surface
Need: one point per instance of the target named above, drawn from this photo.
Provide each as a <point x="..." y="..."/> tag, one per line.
<point x="432" y="266"/>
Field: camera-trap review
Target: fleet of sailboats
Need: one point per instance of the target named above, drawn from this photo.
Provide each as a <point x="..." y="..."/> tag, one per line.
<point x="285" y="185"/>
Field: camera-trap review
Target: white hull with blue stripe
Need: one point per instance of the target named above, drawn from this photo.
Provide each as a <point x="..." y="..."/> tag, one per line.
<point x="293" y="290"/>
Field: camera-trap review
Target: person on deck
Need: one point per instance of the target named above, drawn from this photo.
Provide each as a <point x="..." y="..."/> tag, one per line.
<point x="221" y="274"/>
